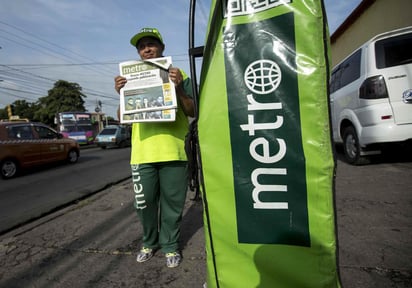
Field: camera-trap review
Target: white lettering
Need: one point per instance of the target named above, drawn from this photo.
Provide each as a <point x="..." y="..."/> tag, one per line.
<point x="267" y="188"/>
<point x="254" y="106"/>
<point x="265" y="156"/>
<point x="138" y="189"/>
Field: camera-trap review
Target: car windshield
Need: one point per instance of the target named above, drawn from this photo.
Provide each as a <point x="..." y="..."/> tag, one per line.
<point x="84" y="127"/>
<point x="108" y="131"/>
<point x="68" y="128"/>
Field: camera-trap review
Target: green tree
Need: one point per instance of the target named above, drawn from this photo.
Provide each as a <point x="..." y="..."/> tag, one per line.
<point x="24" y="109"/>
<point x="20" y="108"/>
<point x="3" y="113"/>
<point x="64" y="96"/>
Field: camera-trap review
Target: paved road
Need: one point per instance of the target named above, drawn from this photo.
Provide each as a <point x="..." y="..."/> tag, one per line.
<point x="374" y="209"/>
<point x="44" y="189"/>
<point x="93" y="243"/>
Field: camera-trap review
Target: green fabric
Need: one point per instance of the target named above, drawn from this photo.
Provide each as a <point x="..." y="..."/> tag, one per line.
<point x="267" y="158"/>
<point x="161" y="141"/>
<point x="163" y="184"/>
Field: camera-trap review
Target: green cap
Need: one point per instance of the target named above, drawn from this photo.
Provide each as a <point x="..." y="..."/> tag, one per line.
<point x="146" y="32"/>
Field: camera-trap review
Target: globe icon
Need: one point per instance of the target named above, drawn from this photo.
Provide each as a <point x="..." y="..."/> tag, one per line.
<point x="262" y="76"/>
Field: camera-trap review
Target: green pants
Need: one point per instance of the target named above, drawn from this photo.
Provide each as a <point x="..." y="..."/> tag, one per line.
<point x="160" y="194"/>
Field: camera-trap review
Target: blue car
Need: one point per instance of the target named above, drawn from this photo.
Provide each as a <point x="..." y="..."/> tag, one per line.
<point x="114" y="136"/>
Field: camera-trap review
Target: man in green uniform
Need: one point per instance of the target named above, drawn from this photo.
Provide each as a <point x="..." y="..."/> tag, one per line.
<point x="159" y="162"/>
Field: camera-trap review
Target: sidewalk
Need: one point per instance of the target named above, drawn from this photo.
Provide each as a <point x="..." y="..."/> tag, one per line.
<point x="94" y="244"/>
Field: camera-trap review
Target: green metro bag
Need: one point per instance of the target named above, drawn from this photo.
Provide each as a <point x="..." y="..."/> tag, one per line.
<point x="265" y="145"/>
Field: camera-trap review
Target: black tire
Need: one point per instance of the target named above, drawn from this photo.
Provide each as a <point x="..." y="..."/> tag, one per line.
<point x="72" y="156"/>
<point x="103" y="147"/>
<point x="9" y="168"/>
<point x="122" y="144"/>
<point x="351" y="147"/>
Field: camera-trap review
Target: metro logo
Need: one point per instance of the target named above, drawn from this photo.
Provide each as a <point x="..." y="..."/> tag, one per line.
<point x="268" y="163"/>
<point x="265" y="146"/>
<point x="263" y="76"/>
<point x="137" y="68"/>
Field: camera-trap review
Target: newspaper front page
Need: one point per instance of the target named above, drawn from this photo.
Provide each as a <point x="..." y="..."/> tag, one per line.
<point x="149" y="95"/>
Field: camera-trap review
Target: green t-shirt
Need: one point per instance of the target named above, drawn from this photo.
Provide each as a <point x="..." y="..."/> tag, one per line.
<point x="161" y="141"/>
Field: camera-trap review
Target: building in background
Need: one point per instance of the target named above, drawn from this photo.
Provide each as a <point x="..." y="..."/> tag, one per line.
<point x="370" y="18"/>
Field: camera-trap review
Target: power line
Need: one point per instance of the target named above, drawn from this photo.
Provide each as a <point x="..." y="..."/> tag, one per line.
<point x="53" y="54"/>
<point x="33" y="77"/>
<point x="48" y="42"/>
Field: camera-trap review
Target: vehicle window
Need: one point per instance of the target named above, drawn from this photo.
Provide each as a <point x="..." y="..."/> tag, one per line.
<point x="334" y="80"/>
<point x="20" y="132"/>
<point x="350" y="69"/>
<point x="347" y="72"/>
<point x="83" y="120"/>
<point x="84" y="127"/>
<point x="11" y="133"/>
<point x="45" y="133"/>
<point x="68" y="121"/>
<point x="108" y="131"/>
<point x="393" y="51"/>
<point x="69" y="129"/>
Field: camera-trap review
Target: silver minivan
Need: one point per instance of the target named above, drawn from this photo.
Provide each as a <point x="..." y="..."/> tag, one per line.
<point x="371" y="96"/>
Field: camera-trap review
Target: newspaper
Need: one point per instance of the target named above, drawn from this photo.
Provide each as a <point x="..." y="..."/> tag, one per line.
<point x="149" y="95"/>
<point x="150" y="116"/>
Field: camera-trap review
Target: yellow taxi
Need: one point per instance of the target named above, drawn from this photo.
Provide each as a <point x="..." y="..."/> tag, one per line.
<point x="27" y="144"/>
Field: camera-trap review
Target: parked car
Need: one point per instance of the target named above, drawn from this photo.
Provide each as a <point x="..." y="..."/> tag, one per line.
<point x="27" y="144"/>
<point x="113" y="136"/>
<point x="371" y="96"/>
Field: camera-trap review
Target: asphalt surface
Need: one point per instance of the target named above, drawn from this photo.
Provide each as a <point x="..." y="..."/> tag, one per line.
<point x="93" y="243"/>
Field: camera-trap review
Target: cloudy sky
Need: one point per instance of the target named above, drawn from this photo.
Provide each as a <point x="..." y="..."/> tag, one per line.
<point x="83" y="41"/>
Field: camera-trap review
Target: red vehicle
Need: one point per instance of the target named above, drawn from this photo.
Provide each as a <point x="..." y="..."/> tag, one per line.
<point x="28" y="144"/>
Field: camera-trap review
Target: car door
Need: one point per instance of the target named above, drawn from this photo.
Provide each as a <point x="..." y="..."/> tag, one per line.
<point x="24" y="145"/>
<point x="52" y="147"/>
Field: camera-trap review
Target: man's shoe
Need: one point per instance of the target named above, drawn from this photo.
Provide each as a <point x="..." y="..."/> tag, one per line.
<point x="173" y="259"/>
<point x="144" y="254"/>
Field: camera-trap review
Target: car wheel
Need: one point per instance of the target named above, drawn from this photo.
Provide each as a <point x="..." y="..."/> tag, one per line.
<point x="9" y="168"/>
<point x="351" y="147"/>
<point x="122" y="144"/>
<point x="73" y="156"/>
<point x="103" y="147"/>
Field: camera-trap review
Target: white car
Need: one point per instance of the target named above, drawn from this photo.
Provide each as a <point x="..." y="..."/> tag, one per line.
<point x="371" y="96"/>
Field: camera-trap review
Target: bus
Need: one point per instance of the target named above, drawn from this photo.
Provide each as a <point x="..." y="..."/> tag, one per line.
<point x="76" y="125"/>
